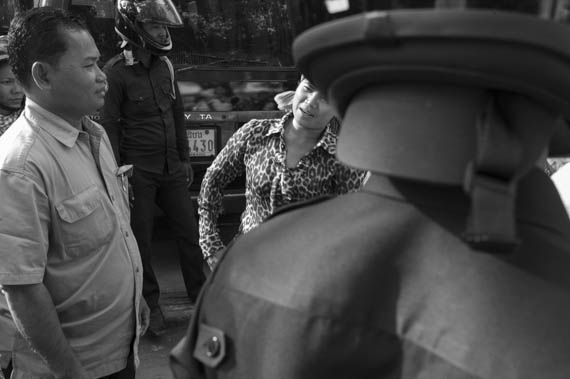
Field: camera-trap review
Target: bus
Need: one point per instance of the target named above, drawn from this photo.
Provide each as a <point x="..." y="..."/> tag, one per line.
<point x="231" y="57"/>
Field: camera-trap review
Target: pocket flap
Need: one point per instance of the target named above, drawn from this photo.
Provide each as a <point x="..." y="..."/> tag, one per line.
<point x="80" y="205"/>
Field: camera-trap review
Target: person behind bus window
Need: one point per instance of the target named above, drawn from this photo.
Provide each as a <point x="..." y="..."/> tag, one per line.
<point x="144" y="118"/>
<point x="11" y="101"/>
<point x="284" y="161"/>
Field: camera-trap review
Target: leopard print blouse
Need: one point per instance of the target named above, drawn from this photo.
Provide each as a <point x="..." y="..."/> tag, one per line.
<point x="258" y="150"/>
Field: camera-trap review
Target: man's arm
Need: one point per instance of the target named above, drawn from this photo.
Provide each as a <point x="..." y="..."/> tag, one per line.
<point x="35" y="317"/>
<point x="180" y="127"/>
<point x="181" y="136"/>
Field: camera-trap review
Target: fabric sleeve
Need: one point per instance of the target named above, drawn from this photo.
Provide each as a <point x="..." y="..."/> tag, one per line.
<point x="24" y="229"/>
<point x="348" y="179"/>
<point x="110" y="115"/>
<point x="228" y="165"/>
<point x="180" y="128"/>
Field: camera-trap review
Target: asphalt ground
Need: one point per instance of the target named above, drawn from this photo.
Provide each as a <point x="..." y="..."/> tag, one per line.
<point x="154" y="351"/>
<point x="177" y="310"/>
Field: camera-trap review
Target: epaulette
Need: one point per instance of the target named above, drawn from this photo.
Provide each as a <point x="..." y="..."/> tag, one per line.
<point x="113" y="61"/>
<point x="299" y="204"/>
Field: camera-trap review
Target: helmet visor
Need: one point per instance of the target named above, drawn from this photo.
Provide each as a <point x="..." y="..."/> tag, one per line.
<point x="157" y="11"/>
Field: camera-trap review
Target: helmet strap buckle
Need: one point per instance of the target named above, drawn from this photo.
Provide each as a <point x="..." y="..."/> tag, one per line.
<point x="491" y="181"/>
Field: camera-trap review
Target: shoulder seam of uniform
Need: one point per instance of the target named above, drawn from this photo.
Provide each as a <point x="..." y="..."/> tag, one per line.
<point x="113" y="61"/>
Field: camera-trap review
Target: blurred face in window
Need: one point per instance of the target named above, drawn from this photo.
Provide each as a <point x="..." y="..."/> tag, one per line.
<point x="11" y="94"/>
<point x="310" y="109"/>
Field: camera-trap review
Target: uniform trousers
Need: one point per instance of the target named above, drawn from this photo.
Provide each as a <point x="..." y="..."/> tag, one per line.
<point x="170" y="193"/>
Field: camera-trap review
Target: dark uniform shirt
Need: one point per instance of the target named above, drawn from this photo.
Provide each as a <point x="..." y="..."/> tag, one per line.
<point x="380" y="284"/>
<point x="144" y="115"/>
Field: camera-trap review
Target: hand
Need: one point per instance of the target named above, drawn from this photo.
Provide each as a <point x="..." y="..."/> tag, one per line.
<point x="131" y="194"/>
<point x="189" y="174"/>
<point x="212" y="262"/>
<point x="144" y="314"/>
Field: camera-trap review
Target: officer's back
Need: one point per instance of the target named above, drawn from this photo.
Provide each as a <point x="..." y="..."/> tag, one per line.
<point x="452" y="261"/>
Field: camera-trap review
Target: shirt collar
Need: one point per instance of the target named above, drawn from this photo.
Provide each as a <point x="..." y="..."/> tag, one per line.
<point x="328" y="139"/>
<point x="279" y="126"/>
<point x="56" y="126"/>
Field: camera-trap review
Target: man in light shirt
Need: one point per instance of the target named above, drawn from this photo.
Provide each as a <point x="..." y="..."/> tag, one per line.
<point x="69" y="264"/>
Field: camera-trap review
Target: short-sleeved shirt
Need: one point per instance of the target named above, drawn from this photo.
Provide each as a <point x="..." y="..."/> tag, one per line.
<point x="64" y="222"/>
<point x="7" y="328"/>
<point x="259" y="151"/>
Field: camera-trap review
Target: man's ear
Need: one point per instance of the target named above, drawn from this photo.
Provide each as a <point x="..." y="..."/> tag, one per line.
<point x="40" y="75"/>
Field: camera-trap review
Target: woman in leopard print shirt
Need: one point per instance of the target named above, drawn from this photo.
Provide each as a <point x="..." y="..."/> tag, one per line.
<point x="285" y="161"/>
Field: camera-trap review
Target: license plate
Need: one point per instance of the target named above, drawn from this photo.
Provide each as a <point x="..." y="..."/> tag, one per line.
<point x="202" y="142"/>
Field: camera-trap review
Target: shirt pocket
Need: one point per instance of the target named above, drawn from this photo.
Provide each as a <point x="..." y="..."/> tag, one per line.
<point x="85" y="223"/>
<point x="166" y="97"/>
<point x="142" y="99"/>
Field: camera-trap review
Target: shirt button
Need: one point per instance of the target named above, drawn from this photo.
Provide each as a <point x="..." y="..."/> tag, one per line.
<point x="213" y="347"/>
<point x="112" y="198"/>
<point x="127" y="234"/>
<point x="137" y="269"/>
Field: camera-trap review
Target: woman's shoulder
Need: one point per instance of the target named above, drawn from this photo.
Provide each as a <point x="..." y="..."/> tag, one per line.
<point x="260" y="128"/>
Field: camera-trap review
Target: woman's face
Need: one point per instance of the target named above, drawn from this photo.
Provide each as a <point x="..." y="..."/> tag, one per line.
<point x="310" y="109"/>
<point x="11" y="94"/>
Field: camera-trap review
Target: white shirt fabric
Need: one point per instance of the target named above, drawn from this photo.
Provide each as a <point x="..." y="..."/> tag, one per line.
<point x="561" y="179"/>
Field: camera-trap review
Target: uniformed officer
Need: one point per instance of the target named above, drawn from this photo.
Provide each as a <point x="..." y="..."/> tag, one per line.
<point x="144" y="118"/>
<point x="453" y="260"/>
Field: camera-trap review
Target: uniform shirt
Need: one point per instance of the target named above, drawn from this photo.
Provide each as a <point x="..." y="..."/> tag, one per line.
<point x="380" y="284"/>
<point x="144" y="116"/>
<point x="258" y="149"/>
<point x="64" y="223"/>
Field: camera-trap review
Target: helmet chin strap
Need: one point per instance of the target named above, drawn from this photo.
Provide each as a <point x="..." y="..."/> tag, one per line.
<point x="508" y="146"/>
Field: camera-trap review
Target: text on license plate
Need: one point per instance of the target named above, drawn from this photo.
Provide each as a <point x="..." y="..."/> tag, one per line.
<point x="202" y="142"/>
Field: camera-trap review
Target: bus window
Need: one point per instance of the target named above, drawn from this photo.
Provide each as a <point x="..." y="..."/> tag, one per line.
<point x="233" y="32"/>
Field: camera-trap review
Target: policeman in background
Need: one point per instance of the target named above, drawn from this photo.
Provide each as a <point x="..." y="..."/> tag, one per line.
<point x="144" y="118"/>
<point x="453" y="260"/>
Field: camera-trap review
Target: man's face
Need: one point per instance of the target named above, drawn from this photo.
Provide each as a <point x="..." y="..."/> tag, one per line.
<point x="78" y="84"/>
<point x="158" y="32"/>
<point x="11" y="94"/>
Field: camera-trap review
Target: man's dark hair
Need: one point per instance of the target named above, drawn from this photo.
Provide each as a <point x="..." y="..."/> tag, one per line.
<point x="37" y="35"/>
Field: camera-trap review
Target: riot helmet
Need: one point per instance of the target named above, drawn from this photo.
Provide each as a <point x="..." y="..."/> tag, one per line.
<point x="132" y="14"/>
<point x="444" y="91"/>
